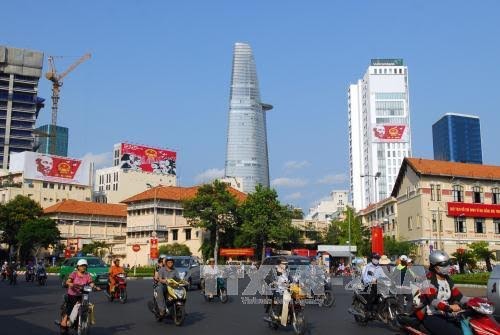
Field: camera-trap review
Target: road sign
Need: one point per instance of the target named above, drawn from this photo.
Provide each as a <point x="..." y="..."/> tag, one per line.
<point x="136" y="247"/>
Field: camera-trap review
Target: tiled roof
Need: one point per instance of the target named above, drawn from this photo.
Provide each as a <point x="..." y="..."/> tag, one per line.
<point x="87" y="208"/>
<point x="445" y="168"/>
<point x="175" y="193"/>
<point x="371" y="207"/>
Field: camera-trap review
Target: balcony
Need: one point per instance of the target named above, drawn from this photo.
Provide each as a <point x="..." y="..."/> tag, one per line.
<point x="145" y="228"/>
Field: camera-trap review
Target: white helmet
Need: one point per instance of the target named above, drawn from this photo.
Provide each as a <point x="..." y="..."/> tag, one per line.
<point x="403" y="258"/>
<point x="82" y="262"/>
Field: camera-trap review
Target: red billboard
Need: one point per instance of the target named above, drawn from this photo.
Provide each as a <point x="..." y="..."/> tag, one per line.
<point x="148" y="159"/>
<point x="473" y="210"/>
<point x="389" y="132"/>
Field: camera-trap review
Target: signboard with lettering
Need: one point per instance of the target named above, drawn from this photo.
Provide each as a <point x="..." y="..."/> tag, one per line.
<point x="473" y="210"/>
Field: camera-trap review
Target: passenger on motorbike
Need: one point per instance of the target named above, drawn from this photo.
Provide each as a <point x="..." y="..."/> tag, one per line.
<point x="441" y="297"/>
<point x="279" y="280"/>
<point x="76" y="280"/>
<point x="159" y="265"/>
<point x="403" y="276"/>
<point x="113" y="271"/>
<point x="371" y="273"/>
<point x="165" y="273"/>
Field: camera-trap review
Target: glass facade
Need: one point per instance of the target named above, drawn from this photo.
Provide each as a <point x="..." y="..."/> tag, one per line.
<point x="247" y="153"/>
<point x="457" y="138"/>
<point x="45" y="138"/>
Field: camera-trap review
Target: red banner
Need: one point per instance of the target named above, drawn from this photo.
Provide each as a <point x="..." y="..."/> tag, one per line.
<point x="473" y="210"/>
<point x="236" y="252"/>
<point x="153" y="249"/>
<point x="388" y="132"/>
<point x="147" y="159"/>
<point x="377" y="240"/>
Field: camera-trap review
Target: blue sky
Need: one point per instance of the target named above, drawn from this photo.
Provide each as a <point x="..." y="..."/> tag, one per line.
<point x="160" y="73"/>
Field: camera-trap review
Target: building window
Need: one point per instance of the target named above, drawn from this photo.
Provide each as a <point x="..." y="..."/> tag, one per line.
<point x="495" y="196"/>
<point x="440" y="218"/>
<point x="188" y="234"/>
<point x="496" y="223"/>
<point x="479" y="225"/>
<point x="434" y="222"/>
<point x="45" y="184"/>
<point x="460" y="225"/>
<point x="477" y="195"/>
<point x="410" y="223"/>
<point x="51" y="185"/>
<point x="175" y="234"/>
<point x="458" y="193"/>
<point x="438" y="192"/>
<point x="433" y="192"/>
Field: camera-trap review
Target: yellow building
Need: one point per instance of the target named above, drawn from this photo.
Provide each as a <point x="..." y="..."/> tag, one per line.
<point x="159" y="210"/>
<point x="385" y="214"/>
<point x="447" y="205"/>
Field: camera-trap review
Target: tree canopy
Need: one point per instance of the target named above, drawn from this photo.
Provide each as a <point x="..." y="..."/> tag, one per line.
<point x="38" y="233"/>
<point x="481" y="251"/>
<point x="175" y="249"/>
<point x="360" y="235"/>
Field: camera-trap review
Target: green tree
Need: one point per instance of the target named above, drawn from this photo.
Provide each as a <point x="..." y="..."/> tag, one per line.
<point x="397" y="248"/>
<point x="13" y="215"/>
<point x="38" y="233"/>
<point x="360" y="235"/>
<point x="297" y="213"/>
<point x="481" y="251"/>
<point x="265" y="220"/>
<point x="465" y="257"/>
<point x="213" y="208"/>
<point x="332" y="235"/>
<point x="175" y="249"/>
<point x="97" y="248"/>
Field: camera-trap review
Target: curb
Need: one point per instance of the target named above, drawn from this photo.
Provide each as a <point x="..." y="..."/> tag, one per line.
<point x="139" y="278"/>
<point x="472" y="285"/>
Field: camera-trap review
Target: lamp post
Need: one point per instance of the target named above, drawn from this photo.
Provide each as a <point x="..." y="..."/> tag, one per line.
<point x="155" y="217"/>
<point x="376" y="176"/>
<point x="350" y="254"/>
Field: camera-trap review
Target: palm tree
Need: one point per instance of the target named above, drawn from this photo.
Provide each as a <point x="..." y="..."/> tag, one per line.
<point x="464" y="257"/>
<point x="481" y="251"/>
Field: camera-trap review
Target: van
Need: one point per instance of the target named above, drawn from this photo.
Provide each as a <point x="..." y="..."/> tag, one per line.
<point x="493" y="290"/>
<point x="190" y="267"/>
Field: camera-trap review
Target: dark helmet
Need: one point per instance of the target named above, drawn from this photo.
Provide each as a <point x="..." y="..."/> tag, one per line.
<point x="282" y="260"/>
<point x="169" y="258"/>
<point x="376" y="255"/>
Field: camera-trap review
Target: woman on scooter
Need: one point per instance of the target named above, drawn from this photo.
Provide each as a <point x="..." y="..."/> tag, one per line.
<point x="441" y="297"/>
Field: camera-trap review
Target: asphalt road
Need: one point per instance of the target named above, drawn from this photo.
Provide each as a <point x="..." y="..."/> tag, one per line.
<point x="30" y="309"/>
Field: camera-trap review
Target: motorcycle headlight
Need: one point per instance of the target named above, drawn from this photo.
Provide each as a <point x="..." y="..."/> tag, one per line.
<point x="179" y="292"/>
<point x="121" y="275"/>
<point x="182" y="275"/>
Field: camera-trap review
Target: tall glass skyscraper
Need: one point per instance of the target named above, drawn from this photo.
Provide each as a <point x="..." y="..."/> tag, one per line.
<point x="247" y="154"/>
<point x="457" y="138"/>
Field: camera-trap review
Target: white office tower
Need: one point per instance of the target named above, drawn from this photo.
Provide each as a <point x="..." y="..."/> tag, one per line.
<point x="379" y="130"/>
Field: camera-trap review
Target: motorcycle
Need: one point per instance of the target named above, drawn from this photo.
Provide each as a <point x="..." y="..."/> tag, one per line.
<point x="290" y="311"/>
<point x="175" y="301"/>
<point x="221" y="291"/>
<point x="12" y="275"/>
<point x="41" y="276"/>
<point x="82" y="315"/>
<point x="476" y="316"/>
<point x="385" y="307"/>
<point x="30" y="274"/>
<point x="120" y="292"/>
<point x="326" y="299"/>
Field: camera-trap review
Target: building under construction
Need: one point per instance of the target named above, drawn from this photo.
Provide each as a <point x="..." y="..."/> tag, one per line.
<point x="20" y="71"/>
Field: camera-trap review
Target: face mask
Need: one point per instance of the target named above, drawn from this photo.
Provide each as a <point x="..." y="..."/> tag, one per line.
<point x="443" y="270"/>
<point x="375" y="261"/>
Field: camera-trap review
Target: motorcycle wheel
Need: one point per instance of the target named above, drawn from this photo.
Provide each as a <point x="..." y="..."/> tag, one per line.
<point x="359" y="320"/>
<point x="328" y="299"/>
<point x="390" y="315"/>
<point x="123" y="296"/>
<point x="223" y="295"/>
<point x="299" y="323"/>
<point x="83" y="324"/>
<point x="179" y="315"/>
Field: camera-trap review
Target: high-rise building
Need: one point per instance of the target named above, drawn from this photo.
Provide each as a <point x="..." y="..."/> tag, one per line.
<point x="457" y="138"/>
<point x="20" y="70"/>
<point x="247" y="154"/>
<point x="379" y="130"/>
<point x="48" y="133"/>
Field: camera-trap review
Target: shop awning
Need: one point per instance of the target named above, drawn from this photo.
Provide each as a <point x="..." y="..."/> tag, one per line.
<point x="339" y="253"/>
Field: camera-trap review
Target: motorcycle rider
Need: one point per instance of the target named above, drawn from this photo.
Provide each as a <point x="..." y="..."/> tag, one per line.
<point x="278" y="279"/>
<point x="165" y="273"/>
<point x="371" y="273"/>
<point x="12" y="272"/>
<point x="113" y="271"/>
<point x="40" y="268"/>
<point x="159" y="265"/>
<point x="4" y="270"/>
<point x="76" y="280"/>
<point x="441" y="297"/>
<point x="210" y="272"/>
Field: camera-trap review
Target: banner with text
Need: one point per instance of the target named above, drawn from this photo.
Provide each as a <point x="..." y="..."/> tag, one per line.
<point x="473" y="210"/>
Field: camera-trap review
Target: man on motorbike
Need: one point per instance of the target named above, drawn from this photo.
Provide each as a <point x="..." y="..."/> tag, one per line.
<point x="113" y="271"/>
<point x="440" y="297"/>
<point x="165" y="273"/>
<point x="12" y="272"/>
<point x="278" y="280"/>
<point x="371" y="273"/>
<point x="76" y="280"/>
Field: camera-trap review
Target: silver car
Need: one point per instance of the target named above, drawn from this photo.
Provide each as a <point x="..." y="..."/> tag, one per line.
<point x="189" y="267"/>
<point x="493" y="290"/>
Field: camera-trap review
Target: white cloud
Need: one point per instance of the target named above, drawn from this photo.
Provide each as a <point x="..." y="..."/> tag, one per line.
<point x="209" y="175"/>
<point x="289" y="182"/>
<point x="331" y="179"/>
<point x="100" y="160"/>
<point x="296" y="165"/>
<point x="294" y="196"/>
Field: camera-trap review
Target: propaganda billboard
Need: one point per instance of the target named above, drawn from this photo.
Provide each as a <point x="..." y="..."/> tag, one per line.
<point x="148" y="159"/>
<point x="473" y="210"/>
<point x="51" y="168"/>
<point x="389" y="133"/>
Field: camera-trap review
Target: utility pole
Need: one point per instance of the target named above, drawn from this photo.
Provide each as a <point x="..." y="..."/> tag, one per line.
<point x="349" y="222"/>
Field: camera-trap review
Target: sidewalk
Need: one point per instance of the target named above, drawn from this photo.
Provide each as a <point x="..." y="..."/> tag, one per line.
<point x="472" y="291"/>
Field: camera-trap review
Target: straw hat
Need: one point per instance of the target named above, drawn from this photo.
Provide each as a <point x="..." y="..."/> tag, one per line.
<point x="384" y="260"/>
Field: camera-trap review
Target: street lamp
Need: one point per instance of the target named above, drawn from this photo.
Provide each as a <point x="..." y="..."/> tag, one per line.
<point x="376" y="176"/>
<point x="154" y="208"/>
